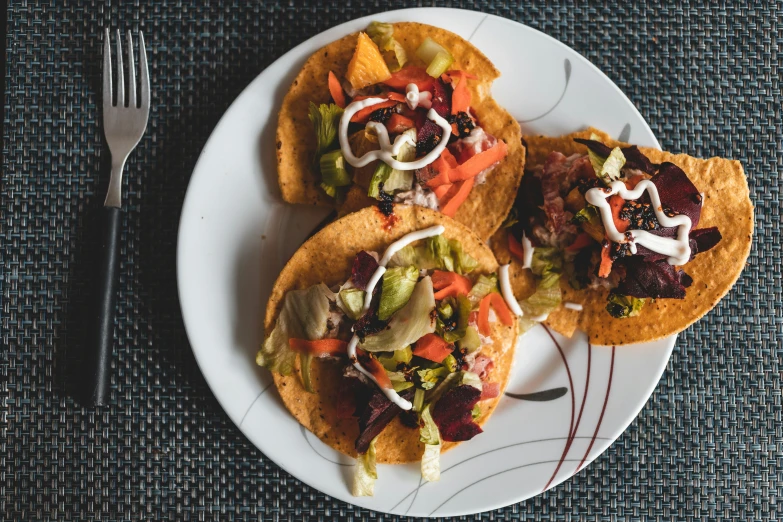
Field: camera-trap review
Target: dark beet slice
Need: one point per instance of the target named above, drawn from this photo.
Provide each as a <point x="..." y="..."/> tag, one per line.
<point x="634" y="159"/>
<point x="428" y="137"/>
<point x="595" y="146"/>
<point x="364" y="266"/>
<point x="441" y="98"/>
<point x="369" y="323"/>
<point x="375" y="412"/>
<point x="452" y="413"/>
<point x="704" y="239"/>
<point x="677" y="192"/>
<point x="346" y="396"/>
<point x="656" y="279"/>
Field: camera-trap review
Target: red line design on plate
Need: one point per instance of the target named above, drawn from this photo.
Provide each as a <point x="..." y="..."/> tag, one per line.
<point x="571" y="430"/>
<point x="603" y="410"/>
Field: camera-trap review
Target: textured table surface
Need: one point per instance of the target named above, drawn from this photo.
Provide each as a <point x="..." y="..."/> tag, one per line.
<point x="708" y="445"/>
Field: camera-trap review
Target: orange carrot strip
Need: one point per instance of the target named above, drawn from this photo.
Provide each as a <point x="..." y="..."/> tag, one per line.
<point x="501" y="309"/>
<point x="364" y="115"/>
<point x="399" y="123"/>
<point x="606" y="261"/>
<point x="515" y="247"/>
<point x="453" y="204"/>
<point x="616" y="204"/>
<point x="581" y="241"/>
<point x="410" y="74"/>
<point x="432" y="348"/>
<point x="460" y="98"/>
<point x="336" y="90"/>
<point x="376" y="369"/>
<point x="318" y="347"/>
<point x="473" y="167"/>
<point x="442" y="190"/>
<point x="483" y="316"/>
<point x="450" y="284"/>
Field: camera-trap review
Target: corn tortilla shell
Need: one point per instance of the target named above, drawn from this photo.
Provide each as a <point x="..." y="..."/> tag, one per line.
<point x="727" y="206"/>
<point x="327" y="257"/>
<point x="486" y="206"/>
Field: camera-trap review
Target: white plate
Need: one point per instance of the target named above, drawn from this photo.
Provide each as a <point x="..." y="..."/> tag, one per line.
<point x="236" y="234"/>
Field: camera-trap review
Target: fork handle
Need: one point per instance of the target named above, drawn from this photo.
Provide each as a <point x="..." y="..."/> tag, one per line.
<point x="105" y="305"/>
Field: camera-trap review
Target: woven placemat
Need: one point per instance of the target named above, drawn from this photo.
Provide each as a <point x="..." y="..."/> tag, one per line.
<point x="707" y="445"/>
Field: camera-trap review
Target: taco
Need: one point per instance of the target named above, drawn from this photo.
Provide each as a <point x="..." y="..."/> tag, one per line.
<point x="400" y="113"/>
<point x="627" y="244"/>
<point x="381" y="341"/>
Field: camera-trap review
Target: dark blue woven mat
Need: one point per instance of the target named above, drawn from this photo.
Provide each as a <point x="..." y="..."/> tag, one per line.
<point x="707" y="446"/>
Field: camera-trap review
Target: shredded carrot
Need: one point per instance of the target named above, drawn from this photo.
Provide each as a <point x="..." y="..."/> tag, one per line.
<point x="374" y="366"/>
<point x="582" y="240"/>
<point x="410" y="74"/>
<point x="634" y="180"/>
<point x="442" y="191"/>
<point x="515" y="247"/>
<point x="606" y="261"/>
<point x="501" y="309"/>
<point x="455" y="201"/>
<point x="473" y="167"/>
<point x="318" y="347"/>
<point x="483" y="316"/>
<point x="495" y="300"/>
<point x="399" y="123"/>
<point x="363" y="115"/>
<point x="450" y="284"/>
<point x="616" y="204"/>
<point x="336" y="90"/>
<point x="460" y="98"/>
<point x="432" y="348"/>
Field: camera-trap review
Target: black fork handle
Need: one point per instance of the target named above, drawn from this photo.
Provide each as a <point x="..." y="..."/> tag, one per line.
<point x="105" y="306"/>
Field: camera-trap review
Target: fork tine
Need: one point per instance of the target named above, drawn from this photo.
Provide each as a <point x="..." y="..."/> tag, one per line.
<point x="131" y="73"/>
<point x="144" y="74"/>
<point x="120" y="78"/>
<point x="107" y="69"/>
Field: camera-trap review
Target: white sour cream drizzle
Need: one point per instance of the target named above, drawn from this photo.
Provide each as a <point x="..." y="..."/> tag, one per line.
<point x="387" y="150"/>
<point x="678" y="250"/>
<point x="527" y="248"/>
<point x="414" y="98"/>
<point x="573" y="306"/>
<point x="508" y="294"/>
<point x="395" y="247"/>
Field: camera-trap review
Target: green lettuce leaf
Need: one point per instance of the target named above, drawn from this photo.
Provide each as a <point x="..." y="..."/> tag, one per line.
<point x="304" y="316"/>
<point x="475" y="412"/>
<point x="471" y="341"/>
<point x="412" y="322"/>
<point x="607" y="169"/>
<point x="452" y="379"/>
<point x="485" y="284"/>
<point x="430" y="376"/>
<point x="547" y="265"/>
<point x="398" y="381"/>
<point x="622" y="306"/>
<point x="365" y="473"/>
<point x="392" y="360"/>
<point x="471" y="379"/>
<point x="430" y="436"/>
<point x="393" y="53"/>
<point x="351" y="301"/>
<point x="325" y="119"/>
<point x="398" y="284"/>
<point x="394" y="179"/>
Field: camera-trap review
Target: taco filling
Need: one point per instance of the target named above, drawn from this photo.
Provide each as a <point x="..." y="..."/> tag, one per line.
<point x="405" y="331"/>
<point x="402" y="130"/>
<point x="609" y="219"/>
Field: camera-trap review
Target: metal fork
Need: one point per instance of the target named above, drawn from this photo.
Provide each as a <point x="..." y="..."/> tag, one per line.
<point x="124" y="123"/>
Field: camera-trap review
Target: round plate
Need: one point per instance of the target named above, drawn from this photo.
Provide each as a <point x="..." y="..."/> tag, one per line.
<point x="566" y="402"/>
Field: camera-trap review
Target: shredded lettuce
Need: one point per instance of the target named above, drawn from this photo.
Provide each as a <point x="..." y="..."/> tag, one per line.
<point x="622" y="306"/>
<point x="392" y="360"/>
<point x="471" y="341"/>
<point x="333" y="173"/>
<point x="511" y="219"/>
<point x="398" y="381"/>
<point x="432" y="396"/>
<point x="412" y="322"/>
<point x="430" y="436"/>
<point x="430" y="376"/>
<point x="397" y="288"/>
<point x="472" y="379"/>
<point x="475" y="412"/>
<point x="393" y="53"/>
<point x="394" y="179"/>
<point x="304" y="316"/>
<point x="607" y="169"/>
<point x="325" y="119"/>
<point x="351" y="301"/>
<point x="484" y="285"/>
<point x="450" y="363"/>
<point x="463" y="317"/>
<point x="547" y="265"/>
<point x="418" y="399"/>
<point x="365" y="473"/>
<point x="435" y="252"/>
<point x="463" y="263"/>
